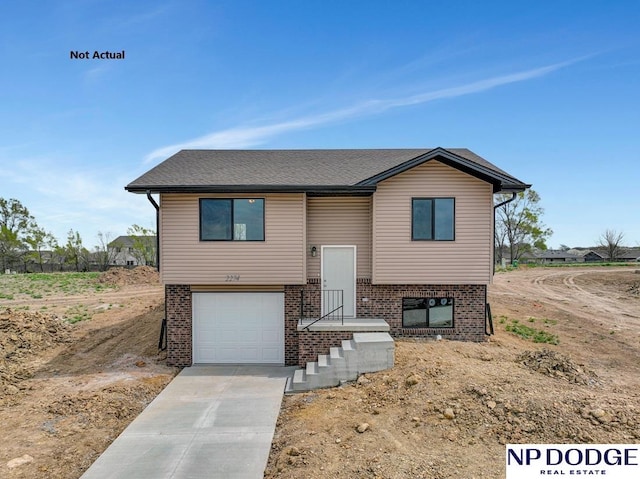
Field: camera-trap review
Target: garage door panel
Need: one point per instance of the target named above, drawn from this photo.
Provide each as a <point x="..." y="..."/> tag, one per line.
<point x="271" y="355"/>
<point x="238" y="355"/>
<point x="270" y="336"/>
<point x="238" y="328"/>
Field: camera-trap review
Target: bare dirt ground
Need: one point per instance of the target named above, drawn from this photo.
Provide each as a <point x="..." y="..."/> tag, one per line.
<point x="445" y="411"/>
<point x="448" y="408"/>
<point x="68" y="390"/>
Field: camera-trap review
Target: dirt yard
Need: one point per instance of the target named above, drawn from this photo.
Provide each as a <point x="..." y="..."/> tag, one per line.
<point x="68" y="390"/>
<point x="448" y="408"/>
<point x="445" y="411"/>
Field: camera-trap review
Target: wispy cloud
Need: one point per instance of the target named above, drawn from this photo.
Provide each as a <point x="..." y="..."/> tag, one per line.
<point x="97" y="73"/>
<point x="245" y="137"/>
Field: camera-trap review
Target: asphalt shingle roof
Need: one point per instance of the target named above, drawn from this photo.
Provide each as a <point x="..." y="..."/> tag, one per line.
<point x="300" y="168"/>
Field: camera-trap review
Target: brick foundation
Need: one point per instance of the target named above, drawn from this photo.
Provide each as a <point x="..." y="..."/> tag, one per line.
<point x="178" y="309"/>
<point x="312" y="343"/>
<point x="383" y="301"/>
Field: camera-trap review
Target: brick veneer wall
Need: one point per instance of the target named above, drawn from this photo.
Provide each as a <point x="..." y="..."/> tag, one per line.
<point x="291" y="317"/>
<point x="383" y="301"/>
<point x="178" y="308"/>
<point x="312" y="343"/>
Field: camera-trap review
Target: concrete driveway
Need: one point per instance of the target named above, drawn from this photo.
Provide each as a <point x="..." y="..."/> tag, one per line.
<point x="209" y="422"/>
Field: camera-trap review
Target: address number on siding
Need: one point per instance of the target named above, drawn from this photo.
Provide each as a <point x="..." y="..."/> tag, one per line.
<point x="232" y="277"/>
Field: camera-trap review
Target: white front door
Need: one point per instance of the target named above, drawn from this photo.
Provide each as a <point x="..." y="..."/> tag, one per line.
<point x="339" y="273"/>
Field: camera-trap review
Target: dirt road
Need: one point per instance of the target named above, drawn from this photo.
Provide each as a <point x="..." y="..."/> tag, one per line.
<point x="598" y="310"/>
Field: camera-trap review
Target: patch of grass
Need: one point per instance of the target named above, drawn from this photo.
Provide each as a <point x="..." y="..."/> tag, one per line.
<point x="531" y="334"/>
<point x="43" y="285"/>
<point x="580" y="265"/>
<point x="545" y="321"/>
<point x="77" y="313"/>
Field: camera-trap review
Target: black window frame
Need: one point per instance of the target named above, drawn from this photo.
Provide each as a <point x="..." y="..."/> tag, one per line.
<point x="425" y="300"/>
<point x="232" y="218"/>
<point x="433" y="218"/>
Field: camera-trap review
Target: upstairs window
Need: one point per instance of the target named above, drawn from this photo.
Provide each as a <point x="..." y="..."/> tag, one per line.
<point x="237" y="219"/>
<point x="433" y="219"/>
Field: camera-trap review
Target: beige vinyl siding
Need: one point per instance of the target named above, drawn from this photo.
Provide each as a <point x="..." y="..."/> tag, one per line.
<point x="280" y="259"/>
<point x="399" y="260"/>
<point x="339" y="221"/>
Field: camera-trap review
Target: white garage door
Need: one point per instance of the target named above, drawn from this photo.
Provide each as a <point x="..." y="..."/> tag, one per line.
<point x="238" y="328"/>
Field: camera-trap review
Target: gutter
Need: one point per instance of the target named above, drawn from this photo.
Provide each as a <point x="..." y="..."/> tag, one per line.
<point x="157" y="207"/>
<point x="312" y="189"/>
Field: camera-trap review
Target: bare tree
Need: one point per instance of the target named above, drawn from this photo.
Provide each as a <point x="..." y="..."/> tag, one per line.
<point x="104" y="255"/>
<point x="611" y="241"/>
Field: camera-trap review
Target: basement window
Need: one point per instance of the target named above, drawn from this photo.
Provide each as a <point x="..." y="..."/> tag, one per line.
<point x="427" y="312"/>
<point x="233" y="219"/>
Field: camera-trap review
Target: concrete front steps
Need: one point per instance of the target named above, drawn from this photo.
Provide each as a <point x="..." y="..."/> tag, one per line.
<point x="365" y="353"/>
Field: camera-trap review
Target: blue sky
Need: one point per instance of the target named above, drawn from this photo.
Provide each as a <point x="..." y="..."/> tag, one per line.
<point x="547" y="90"/>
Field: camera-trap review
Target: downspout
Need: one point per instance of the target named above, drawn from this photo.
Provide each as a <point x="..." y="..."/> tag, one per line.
<point x="155" y="205"/>
<point x="487" y="311"/>
<point x="513" y="197"/>
<point x="162" y="342"/>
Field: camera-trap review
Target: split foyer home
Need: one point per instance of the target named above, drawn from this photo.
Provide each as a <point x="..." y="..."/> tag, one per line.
<point x="273" y="256"/>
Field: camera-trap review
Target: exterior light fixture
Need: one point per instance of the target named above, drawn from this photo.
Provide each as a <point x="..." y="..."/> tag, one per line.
<point x="314" y="251"/>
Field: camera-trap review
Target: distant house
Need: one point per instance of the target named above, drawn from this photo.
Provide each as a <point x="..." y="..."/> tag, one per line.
<point x="132" y="250"/>
<point x="629" y="254"/>
<point x="595" y="255"/>
<point x="553" y="256"/>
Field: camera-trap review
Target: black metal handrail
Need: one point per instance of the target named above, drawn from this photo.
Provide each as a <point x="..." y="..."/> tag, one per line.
<point x="332" y="301"/>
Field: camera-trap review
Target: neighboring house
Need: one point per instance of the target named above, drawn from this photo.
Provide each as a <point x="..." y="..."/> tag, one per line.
<point x="591" y="256"/>
<point x="253" y="243"/>
<point x="602" y="255"/>
<point x="629" y="254"/>
<point x="123" y="251"/>
<point x="553" y="256"/>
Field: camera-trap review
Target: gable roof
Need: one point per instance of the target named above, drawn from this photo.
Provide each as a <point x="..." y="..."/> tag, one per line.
<point x="554" y="254"/>
<point x="127" y="240"/>
<point x="347" y="171"/>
